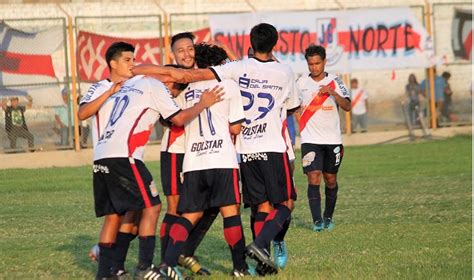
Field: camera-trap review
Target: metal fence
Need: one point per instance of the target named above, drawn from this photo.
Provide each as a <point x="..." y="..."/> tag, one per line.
<point x="35" y="114"/>
<point x="131" y="27"/>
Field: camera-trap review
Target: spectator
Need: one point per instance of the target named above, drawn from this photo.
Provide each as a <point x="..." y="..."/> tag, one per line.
<point x="439" y="86"/>
<point x="360" y="106"/>
<point x="416" y="99"/>
<point x="15" y="123"/>
<point x="447" y="111"/>
<point x="62" y="119"/>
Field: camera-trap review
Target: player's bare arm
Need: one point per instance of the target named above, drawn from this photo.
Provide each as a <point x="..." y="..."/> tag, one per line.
<point x="89" y="109"/>
<point x="208" y="98"/>
<point x="235" y="129"/>
<point x="175" y="75"/>
<point x="230" y="53"/>
<point x="343" y="102"/>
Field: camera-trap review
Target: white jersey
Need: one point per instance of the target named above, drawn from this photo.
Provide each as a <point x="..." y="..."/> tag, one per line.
<point x="136" y="107"/>
<point x="173" y="136"/>
<point x="359" y="96"/>
<point x="209" y="143"/>
<point x="98" y="119"/>
<point x="264" y="87"/>
<point x="323" y="126"/>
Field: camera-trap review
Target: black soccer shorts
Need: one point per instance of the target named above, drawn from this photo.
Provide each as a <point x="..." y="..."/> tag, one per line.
<point x="122" y="185"/>
<point x="171" y="167"/>
<point x="203" y="189"/>
<point x="266" y="177"/>
<point x="326" y="158"/>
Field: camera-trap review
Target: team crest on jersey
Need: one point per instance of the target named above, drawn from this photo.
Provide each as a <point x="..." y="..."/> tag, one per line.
<point x="308" y="159"/>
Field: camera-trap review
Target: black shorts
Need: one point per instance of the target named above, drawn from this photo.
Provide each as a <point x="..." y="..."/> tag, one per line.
<point x="203" y="189"/>
<point x="266" y="177"/>
<point x="171" y="166"/>
<point x="326" y="158"/>
<point x="121" y="186"/>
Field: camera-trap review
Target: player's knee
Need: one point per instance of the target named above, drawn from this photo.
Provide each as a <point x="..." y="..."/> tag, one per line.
<point x="265" y="207"/>
<point x="314" y="177"/>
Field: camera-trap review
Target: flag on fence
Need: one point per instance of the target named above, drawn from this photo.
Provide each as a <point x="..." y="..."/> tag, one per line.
<point x="91" y="50"/>
<point x="26" y="64"/>
<point x="462" y="34"/>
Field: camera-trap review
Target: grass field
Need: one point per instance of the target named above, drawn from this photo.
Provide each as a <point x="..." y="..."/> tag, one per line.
<point x="404" y="212"/>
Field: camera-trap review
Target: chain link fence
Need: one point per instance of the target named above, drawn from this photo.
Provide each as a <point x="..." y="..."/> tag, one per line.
<point x="34" y="98"/>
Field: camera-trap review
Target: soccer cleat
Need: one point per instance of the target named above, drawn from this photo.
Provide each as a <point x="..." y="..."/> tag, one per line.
<point x="328" y="224"/>
<point x="94" y="253"/>
<point x="193" y="265"/>
<point x="123" y="275"/>
<point x="318" y="226"/>
<point x="280" y="253"/>
<point x="149" y="273"/>
<point x="236" y="273"/>
<point x="172" y="273"/>
<point x="265" y="265"/>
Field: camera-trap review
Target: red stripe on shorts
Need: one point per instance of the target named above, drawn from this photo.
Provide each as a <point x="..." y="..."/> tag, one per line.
<point x="288" y="177"/>
<point x="174" y="180"/>
<point x="141" y="185"/>
<point x="236" y="186"/>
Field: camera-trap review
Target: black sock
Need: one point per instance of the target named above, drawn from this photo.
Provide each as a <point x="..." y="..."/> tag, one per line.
<point x="314" y="198"/>
<point x="199" y="231"/>
<point x="234" y="235"/>
<point x="281" y="235"/>
<point x="331" y="198"/>
<point x="179" y="233"/>
<point x="146" y="249"/>
<point x="121" y="248"/>
<point x="273" y="225"/>
<point x="168" y="221"/>
<point x="106" y="262"/>
<point x="259" y="222"/>
<point x="253" y="212"/>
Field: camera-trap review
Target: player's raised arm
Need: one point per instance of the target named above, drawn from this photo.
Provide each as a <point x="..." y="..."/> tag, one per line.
<point x="208" y="98"/>
<point x="175" y="75"/>
<point x="86" y="110"/>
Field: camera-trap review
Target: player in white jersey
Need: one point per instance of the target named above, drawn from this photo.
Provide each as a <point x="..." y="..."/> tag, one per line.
<point x="265" y="85"/>
<point x="171" y="165"/>
<point x="210" y="165"/>
<point x="121" y="181"/>
<point x="321" y="143"/>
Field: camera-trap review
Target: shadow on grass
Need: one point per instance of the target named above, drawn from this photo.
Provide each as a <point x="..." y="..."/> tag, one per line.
<point x="79" y="248"/>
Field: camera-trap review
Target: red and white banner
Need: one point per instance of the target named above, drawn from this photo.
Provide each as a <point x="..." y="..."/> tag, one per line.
<point x="462" y="34"/>
<point x="355" y="40"/>
<point x="91" y="50"/>
<point x="26" y="65"/>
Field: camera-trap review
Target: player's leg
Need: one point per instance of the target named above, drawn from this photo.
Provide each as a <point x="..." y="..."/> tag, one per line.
<point x="107" y="240"/>
<point x="332" y="160"/>
<point x="169" y="219"/>
<point x="312" y="162"/>
<point x="127" y="232"/>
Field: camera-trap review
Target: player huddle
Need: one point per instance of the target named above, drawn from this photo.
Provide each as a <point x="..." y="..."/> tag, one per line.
<point x="226" y="122"/>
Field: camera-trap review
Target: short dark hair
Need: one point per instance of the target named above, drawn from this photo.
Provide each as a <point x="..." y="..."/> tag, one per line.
<point x="207" y="55"/>
<point x="354" y="80"/>
<point x="116" y="49"/>
<point x="182" y="35"/>
<point x="314" y="50"/>
<point x="446" y="75"/>
<point x="178" y="86"/>
<point x="263" y="37"/>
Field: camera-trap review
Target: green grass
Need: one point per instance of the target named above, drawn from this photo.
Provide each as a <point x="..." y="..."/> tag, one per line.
<point x="404" y="212"/>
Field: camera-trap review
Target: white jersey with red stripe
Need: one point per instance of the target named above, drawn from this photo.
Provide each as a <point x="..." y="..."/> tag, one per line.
<point x="324" y="125"/>
<point x="209" y="143"/>
<point x="136" y="107"/>
<point x="264" y="87"/>
<point x="97" y="123"/>
<point x="173" y="136"/>
<point x="359" y="96"/>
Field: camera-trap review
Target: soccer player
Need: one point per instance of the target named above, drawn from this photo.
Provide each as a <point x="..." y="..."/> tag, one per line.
<point x="121" y="181"/>
<point x="210" y="166"/>
<point x="321" y="143"/>
<point x="119" y="58"/>
<point x="172" y="154"/>
<point x="265" y="85"/>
